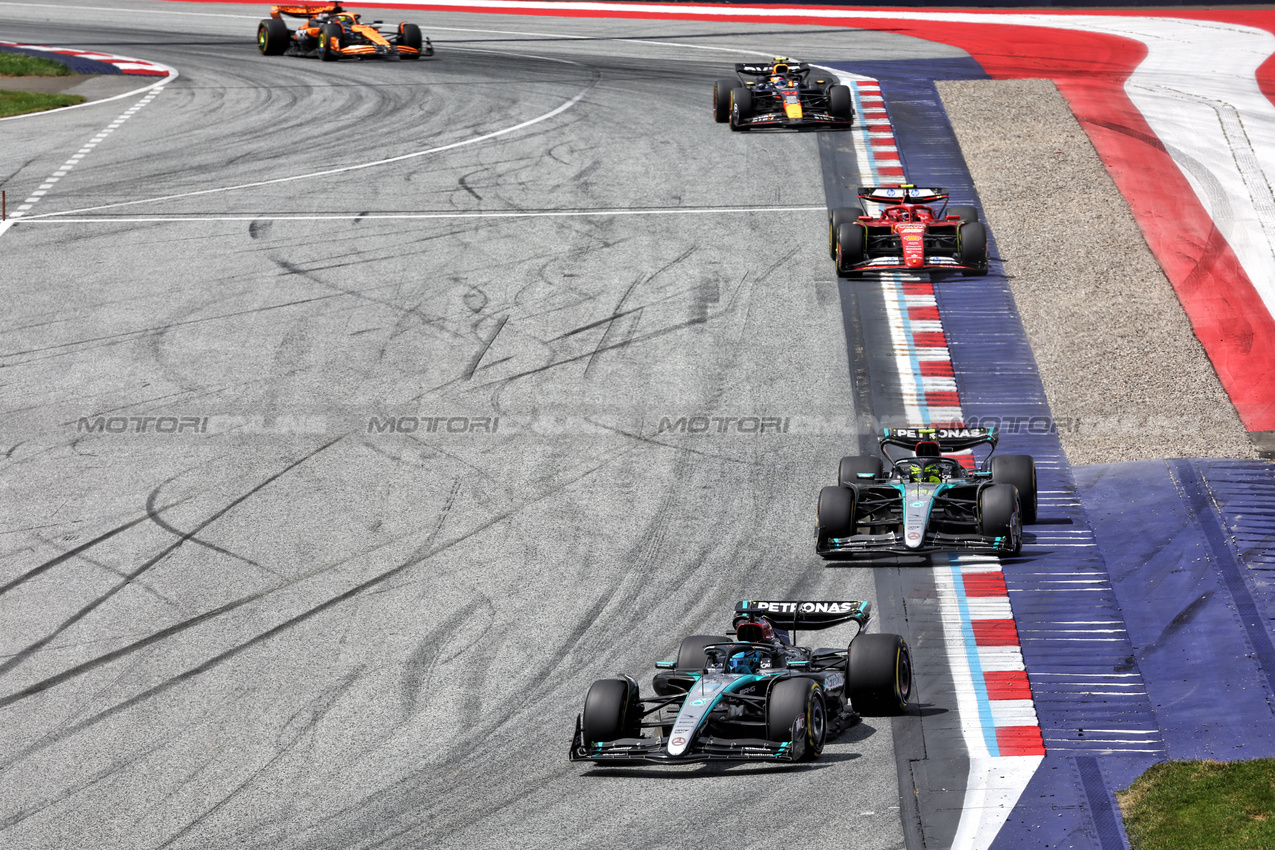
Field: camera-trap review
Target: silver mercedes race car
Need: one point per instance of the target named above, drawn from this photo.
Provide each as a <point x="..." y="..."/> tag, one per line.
<point x="753" y="695"/>
<point x="923" y="501"/>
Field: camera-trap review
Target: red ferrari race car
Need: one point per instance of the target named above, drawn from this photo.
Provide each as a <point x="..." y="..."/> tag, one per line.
<point x="907" y="234"/>
<point x="332" y="33"/>
<point x="781" y="93"/>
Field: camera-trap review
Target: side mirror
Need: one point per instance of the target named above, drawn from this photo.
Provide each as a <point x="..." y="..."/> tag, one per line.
<point x="952" y="218"/>
<point x="666" y="665"/>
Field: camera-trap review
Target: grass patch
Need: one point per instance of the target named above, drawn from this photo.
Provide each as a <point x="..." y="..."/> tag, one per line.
<point x="22" y="65"/>
<point x="22" y="102"/>
<point x="1190" y="804"/>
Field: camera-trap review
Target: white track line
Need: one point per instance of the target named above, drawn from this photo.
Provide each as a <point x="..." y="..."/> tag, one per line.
<point x="359" y="166"/>
<point x="418" y="216"/>
<point x="65" y="168"/>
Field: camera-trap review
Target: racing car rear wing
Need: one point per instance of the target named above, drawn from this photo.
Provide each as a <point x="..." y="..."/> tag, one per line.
<point x="764" y="70"/>
<point x="809" y="615"/>
<point x="949" y="439"/>
<point x="903" y="193"/>
<point x="304" y="10"/>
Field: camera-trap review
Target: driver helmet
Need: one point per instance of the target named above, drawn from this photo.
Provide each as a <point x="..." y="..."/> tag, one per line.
<point x="744" y="661"/>
<point x="924" y="471"/>
<point x="897" y="214"/>
<point x="756" y="630"/>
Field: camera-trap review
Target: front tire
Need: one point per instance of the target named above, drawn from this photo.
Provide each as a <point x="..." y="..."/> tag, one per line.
<point x="838" y="217"/>
<point x="999" y="514"/>
<point x="409" y="35"/>
<point x="1019" y="470"/>
<point x="879" y="674"/>
<point x="721" y="99"/>
<point x="852" y="247"/>
<point x="330" y="42"/>
<point x="794" y="698"/>
<point x="611" y="711"/>
<point x="741" y="108"/>
<point x="273" y="37"/>
<point x="841" y="104"/>
<point x="836" y="511"/>
<point x="972" y="245"/>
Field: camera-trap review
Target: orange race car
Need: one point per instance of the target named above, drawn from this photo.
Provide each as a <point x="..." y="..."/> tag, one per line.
<point x="332" y="33"/>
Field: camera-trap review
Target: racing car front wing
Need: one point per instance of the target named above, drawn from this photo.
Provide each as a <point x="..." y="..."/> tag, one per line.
<point x="892" y="541"/>
<point x="897" y="262"/>
<point x="704" y="748"/>
<point x="781" y="119"/>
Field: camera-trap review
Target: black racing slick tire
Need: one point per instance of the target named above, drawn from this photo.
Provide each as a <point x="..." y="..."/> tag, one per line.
<point x="971" y="239"/>
<point x="879" y="674"/>
<point x="794" y="698"/>
<point x="741" y="108"/>
<point x="273" y="37"/>
<point x="852" y="247"/>
<point x="837" y="217"/>
<point x="611" y="711"/>
<point x="851" y="467"/>
<point x="691" y="656"/>
<point x="1019" y="470"/>
<point x="836" y="511"/>
<point x="841" y="104"/>
<point x="409" y="35"/>
<point x="330" y="42"/>
<point x="999" y="514"/>
<point x="966" y="213"/>
<point x="721" y="99"/>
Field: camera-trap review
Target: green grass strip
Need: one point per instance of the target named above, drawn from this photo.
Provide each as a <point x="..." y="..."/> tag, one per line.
<point x="22" y="102"/>
<point x="1194" y="804"/>
<point x="22" y="65"/>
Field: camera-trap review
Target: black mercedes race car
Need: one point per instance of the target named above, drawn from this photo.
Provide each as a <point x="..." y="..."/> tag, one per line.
<point x="331" y="33"/>
<point x="915" y="230"/>
<point x="781" y="94"/>
<point x="923" y="501"/>
<point x="750" y="695"/>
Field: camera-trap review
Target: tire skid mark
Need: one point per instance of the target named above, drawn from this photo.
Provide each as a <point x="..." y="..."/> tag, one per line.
<point x="262" y="637"/>
<point x="151" y="513"/>
<point x="25" y="653"/>
<point x="190" y="537"/>
<point x="478" y="358"/>
<point x="319" y="709"/>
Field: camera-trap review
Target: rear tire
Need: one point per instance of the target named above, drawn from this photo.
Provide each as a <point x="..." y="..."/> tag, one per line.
<point x="409" y="35"/>
<point x="850" y="467"/>
<point x="741" y="108"/>
<point x="999" y="514"/>
<point x="841" y="104"/>
<point x="611" y="711"/>
<point x="852" y="247"/>
<point x="879" y="674"/>
<point x="966" y="213"/>
<point x="1019" y="470"/>
<point x="330" y="42"/>
<point x="838" y="217"/>
<point x="691" y="656"/>
<point x="836" y="511"/>
<point x="273" y="37"/>
<point x="721" y="99"/>
<point x="972" y="240"/>
<point x="793" y="698"/>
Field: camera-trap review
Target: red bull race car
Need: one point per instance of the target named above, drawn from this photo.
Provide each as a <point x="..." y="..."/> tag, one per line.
<point x="751" y="695"/>
<point x="329" y="32"/>
<point x="924" y="499"/>
<point x="908" y="234"/>
<point x="781" y="94"/>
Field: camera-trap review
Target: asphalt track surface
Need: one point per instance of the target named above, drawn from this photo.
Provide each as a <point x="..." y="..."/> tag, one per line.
<point x="284" y="630"/>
